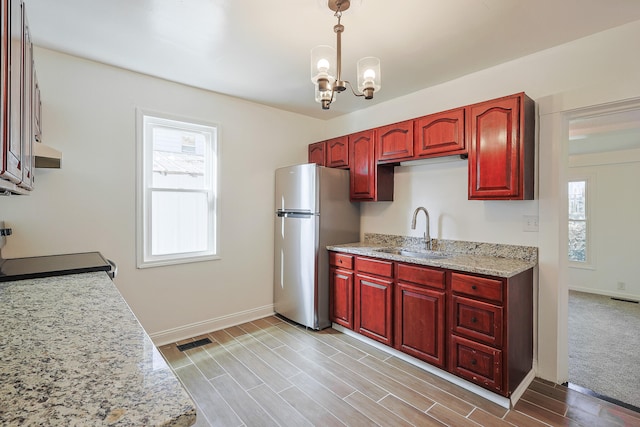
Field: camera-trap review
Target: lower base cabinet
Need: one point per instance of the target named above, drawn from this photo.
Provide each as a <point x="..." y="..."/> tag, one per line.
<point x="341" y="289"/>
<point x="373" y="299"/>
<point x="476" y="327"/>
<point x="419" y="313"/>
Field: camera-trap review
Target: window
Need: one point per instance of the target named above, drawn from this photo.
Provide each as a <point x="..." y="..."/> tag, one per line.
<point x="177" y="191"/>
<point x="579" y="222"/>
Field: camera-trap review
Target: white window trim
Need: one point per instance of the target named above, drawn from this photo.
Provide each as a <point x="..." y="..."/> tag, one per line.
<point x="590" y="179"/>
<point x="142" y="198"/>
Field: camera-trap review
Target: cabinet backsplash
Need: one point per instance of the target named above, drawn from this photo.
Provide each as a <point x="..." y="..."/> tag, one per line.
<point x="525" y="253"/>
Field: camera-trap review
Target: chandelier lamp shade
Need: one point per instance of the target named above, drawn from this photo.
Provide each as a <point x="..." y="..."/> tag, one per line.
<point x="326" y="64"/>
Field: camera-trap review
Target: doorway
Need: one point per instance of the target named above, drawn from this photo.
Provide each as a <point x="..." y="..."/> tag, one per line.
<point x="603" y="201"/>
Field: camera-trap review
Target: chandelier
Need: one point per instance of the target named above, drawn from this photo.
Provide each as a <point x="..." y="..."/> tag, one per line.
<point x="326" y="66"/>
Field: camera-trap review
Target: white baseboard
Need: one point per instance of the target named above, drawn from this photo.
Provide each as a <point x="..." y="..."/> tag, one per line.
<point x="482" y="392"/>
<point x="524" y="385"/>
<point x="605" y="293"/>
<point x="187" y="331"/>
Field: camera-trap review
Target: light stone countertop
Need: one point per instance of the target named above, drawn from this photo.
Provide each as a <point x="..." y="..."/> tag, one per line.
<point x="72" y="353"/>
<point x="472" y="257"/>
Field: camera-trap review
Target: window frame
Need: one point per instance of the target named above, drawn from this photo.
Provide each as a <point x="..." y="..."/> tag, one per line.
<point x="144" y="191"/>
<point x="590" y="181"/>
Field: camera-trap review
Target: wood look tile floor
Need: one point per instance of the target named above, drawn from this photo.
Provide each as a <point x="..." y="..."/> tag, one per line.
<point x="272" y="373"/>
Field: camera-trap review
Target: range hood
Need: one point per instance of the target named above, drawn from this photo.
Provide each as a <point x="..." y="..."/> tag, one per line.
<point x="46" y="157"/>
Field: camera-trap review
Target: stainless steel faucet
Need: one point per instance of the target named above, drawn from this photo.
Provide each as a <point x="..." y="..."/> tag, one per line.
<point x="427" y="237"/>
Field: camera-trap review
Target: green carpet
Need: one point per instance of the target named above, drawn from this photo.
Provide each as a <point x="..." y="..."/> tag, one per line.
<point x="604" y="346"/>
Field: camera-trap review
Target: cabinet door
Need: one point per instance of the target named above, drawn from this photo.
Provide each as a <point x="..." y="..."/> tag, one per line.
<point x="317" y="153"/>
<point x="440" y="134"/>
<point x="362" y="161"/>
<point x="395" y="142"/>
<point x="338" y="152"/>
<point x="4" y="83"/>
<point x="501" y="149"/>
<point x="368" y="181"/>
<point x="372" y="306"/>
<point x="420" y="322"/>
<point x="12" y="137"/>
<point x="27" y="106"/>
<point x="341" y="297"/>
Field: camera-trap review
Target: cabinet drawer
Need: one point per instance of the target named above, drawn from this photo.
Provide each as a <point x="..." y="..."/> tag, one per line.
<point x="421" y="275"/>
<point x="374" y="266"/>
<point x="479" y="287"/>
<point x="341" y="260"/>
<point x="476" y="362"/>
<point x="477" y="320"/>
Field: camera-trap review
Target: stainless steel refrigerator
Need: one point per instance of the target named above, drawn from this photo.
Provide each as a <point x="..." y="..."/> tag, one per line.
<point x="312" y="211"/>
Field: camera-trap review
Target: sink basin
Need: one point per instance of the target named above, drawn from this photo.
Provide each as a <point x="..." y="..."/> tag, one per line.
<point x="414" y="254"/>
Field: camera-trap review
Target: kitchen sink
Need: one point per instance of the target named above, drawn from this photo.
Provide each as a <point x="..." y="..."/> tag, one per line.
<point x="413" y="253"/>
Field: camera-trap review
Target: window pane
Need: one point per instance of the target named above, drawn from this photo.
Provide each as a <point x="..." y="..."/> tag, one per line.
<point x="577" y="200"/>
<point x="578" y="241"/>
<point x="178" y="158"/>
<point x="178" y="222"/>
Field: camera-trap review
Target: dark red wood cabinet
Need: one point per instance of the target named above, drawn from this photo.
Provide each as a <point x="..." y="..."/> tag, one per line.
<point x="373" y="299"/>
<point x="440" y="134"/>
<point x="502" y="149"/>
<point x="338" y="152"/>
<point x="395" y="142"/>
<point x="11" y="81"/>
<point x="341" y="289"/>
<point x="491" y="329"/>
<point x="419" y="313"/>
<point x="317" y="153"/>
<point x="19" y="100"/>
<point x="477" y="327"/>
<point x="368" y="180"/>
<point x="497" y="135"/>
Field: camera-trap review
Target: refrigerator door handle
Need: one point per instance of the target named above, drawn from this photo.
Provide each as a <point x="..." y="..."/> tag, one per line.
<point x="287" y="214"/>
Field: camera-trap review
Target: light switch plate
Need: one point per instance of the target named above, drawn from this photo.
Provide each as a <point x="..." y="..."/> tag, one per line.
<point x="530" y="223"/>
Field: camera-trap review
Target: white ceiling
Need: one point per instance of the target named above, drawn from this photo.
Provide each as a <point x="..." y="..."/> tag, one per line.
<point x="259" y="50"/>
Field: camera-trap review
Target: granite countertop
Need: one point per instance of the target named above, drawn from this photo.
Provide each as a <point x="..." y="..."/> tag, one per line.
<point x="472" y="257"/>
<point x="73" y="353"/>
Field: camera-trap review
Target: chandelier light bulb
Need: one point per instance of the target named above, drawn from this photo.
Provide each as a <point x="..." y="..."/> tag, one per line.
<point x="323" y="65"/>
<point x="369" y="76"/>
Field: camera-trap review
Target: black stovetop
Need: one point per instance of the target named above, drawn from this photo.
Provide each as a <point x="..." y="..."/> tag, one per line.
<point x="52" y="265"/>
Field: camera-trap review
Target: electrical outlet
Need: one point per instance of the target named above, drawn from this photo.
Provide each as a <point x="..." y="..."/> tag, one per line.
<point x="530" y="223"/>
<point x="622" y="286"/>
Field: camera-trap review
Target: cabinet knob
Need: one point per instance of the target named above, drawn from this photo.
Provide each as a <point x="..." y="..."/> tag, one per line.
<point x="474" y="287"/>
<point x="474" y="362"/>
<point x="339" y="261"/>
<point x="474" y="320"/>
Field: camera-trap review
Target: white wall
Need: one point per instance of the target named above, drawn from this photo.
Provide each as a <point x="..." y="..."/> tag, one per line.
<point x="594" y="70"/>
<point x="614" y="227"/>
<point x="89" y="204"/>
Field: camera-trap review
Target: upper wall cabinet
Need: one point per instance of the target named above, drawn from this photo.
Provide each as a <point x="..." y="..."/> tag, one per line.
<point x="395" y="142"/>
<point x="317" y="153"/>
<point x="20" y="118"/>
<point x="10" y="105"/>
<point x="338" y="152"/>
<point x="497" y="135"/>
<point x="502" y="149"/>
<point x="440" y="134"/>
<point x="369" y="181"/>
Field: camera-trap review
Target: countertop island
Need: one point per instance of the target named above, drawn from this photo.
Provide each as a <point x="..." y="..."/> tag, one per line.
<point x="73" y="353"/>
